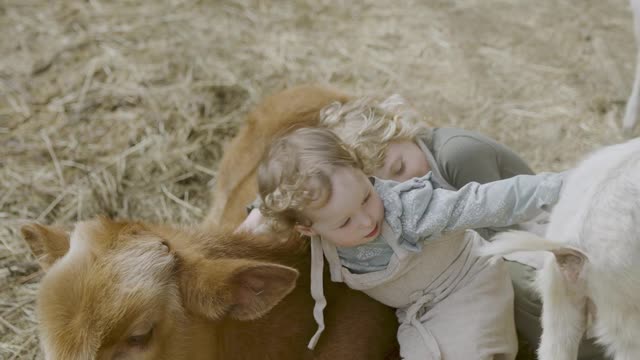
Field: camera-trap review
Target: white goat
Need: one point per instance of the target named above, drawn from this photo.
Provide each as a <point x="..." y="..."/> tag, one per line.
<point x="594" y="233"/>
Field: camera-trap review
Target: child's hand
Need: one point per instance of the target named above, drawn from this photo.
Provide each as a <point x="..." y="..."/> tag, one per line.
<point x="254" y="223"/>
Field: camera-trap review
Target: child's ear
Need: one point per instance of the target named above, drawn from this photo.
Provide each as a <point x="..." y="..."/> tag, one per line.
<point x="305" y="230"/>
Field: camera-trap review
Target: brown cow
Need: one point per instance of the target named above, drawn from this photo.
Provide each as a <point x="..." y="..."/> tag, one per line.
<point x="236" y="187"/>
<point x="129" y="290"/>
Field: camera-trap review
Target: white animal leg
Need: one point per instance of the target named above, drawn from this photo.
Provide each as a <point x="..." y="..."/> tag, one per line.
<point x="563" y="315"/>
<point x="633" y="103"/>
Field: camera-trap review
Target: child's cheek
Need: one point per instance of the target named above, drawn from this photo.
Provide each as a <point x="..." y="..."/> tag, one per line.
<point x="380" y="208"/>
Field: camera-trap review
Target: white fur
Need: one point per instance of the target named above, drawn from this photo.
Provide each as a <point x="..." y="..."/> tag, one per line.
<point x="633" y="103"/>
<point x="598" y="214"/>
<point x="512" y="241"/>
<point x="78" y="243"/>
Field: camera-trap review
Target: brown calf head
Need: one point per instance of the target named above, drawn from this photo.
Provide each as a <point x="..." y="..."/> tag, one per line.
<point x="127" y="290"/>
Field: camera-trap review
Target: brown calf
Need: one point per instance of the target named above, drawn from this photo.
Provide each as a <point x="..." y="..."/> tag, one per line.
<point x="350" y="316"/>
<point x="129" y="290"/>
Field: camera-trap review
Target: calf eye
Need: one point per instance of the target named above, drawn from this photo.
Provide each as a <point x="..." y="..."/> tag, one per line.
<point x="140" y="340"/>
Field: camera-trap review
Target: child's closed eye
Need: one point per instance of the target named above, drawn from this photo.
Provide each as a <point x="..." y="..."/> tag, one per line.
<point x="399" y="169"/>
<point x="366" y="198"/>
<point x="345" y="223"/>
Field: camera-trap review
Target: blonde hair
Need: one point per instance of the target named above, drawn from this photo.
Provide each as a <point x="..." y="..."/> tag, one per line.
<point x="294" y="174"/>
<point x="369" y="124"/>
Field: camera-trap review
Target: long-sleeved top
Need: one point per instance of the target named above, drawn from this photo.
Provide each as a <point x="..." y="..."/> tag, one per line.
<point x="420" y="212"/>
<point x="460" y="156"/>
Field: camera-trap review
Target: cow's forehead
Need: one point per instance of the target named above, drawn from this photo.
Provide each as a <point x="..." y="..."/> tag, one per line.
<point x="89" y="239"/>
<point x="99" y="262"/>
<point x="94" y="285"/>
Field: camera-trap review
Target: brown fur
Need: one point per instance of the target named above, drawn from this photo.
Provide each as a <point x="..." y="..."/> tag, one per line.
<point x="122" y="277"/>
<point x="355" y="323"/>
<point x="195" y="287"/>
<point x="236" y="182"/>
<point x="206" y="294"/>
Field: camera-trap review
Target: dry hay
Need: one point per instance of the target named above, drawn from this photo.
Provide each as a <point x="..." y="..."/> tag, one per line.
<point x="123" y="107"/>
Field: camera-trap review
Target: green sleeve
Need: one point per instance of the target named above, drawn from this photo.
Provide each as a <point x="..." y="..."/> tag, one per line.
<point x="465" y="156"/>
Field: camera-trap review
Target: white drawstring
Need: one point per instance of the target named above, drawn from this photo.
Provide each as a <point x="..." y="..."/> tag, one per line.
<point x="317" y="268"/>
<point x="335" y="266"/>
<point x="412" y="317"/>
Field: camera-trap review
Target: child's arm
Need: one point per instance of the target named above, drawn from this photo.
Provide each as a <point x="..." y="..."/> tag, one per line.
<point x="466" y="156"/>
<point x="500" y="203"/>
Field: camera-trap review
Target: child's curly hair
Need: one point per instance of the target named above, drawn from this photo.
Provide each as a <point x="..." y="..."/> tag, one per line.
<point x="295" y="172"/>
<point x="369" y="124"/>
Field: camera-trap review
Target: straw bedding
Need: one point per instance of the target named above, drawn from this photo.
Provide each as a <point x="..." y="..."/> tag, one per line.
<point x="123" y="107"/>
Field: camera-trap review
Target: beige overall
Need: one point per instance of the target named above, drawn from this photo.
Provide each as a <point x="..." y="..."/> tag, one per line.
<point x="452" y="305"/>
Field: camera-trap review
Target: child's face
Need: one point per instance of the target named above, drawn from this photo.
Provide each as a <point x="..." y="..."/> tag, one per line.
<point x="354" y="213"/>
<point x="404" y="160"/>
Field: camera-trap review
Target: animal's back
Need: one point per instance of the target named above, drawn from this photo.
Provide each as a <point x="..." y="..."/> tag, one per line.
<point x="600" y="206"/>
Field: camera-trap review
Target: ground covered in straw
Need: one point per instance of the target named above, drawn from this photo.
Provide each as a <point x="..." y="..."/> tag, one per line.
<point x="123" y="107"/>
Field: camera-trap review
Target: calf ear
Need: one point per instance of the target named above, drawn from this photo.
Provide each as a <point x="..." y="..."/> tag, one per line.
<point x="47" y="243"/>
<point x="571" y="262"/>
<point x="242" y="289"/>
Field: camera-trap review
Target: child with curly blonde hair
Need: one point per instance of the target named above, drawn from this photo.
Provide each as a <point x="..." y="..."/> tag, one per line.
<point x="404" y="244"/>
<point x="395" y="143"/>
